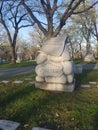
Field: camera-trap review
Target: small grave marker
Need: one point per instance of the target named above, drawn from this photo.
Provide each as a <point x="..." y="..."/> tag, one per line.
<point x="8" y="125"/>
<point x="38" y="128"/>
<point x="5" y="81"/>
<point x="18" y="82"/>
<point x="92" y="83"/>
<point x="85" y="85"/>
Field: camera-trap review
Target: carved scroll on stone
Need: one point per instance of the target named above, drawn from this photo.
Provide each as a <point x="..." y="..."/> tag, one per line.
<point x="55" y="68"/>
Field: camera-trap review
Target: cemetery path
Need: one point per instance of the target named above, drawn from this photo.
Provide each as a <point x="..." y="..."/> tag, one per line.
<point x="90" y="66"/>
<point x="10" y="72"/>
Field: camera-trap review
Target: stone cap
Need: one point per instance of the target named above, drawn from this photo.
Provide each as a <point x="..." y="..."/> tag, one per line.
<point x="54" y="46"/>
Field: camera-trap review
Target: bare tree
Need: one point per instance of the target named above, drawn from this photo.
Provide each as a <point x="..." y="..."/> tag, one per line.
<point x="37" y="36"/>
<point x="94" y="26"/>
<point x="50" y="25"/>
<point x="13" y="18"/>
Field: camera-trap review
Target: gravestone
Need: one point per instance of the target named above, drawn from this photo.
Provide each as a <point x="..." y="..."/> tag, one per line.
<point x="89" y="55"/>
<point x="54" y="66"/>
<point x="85" y="85"/>
<point x="5" y="81"/>
<point x="18" y="82"/>
<point x="19" y="55"/>
<point x="93" y="83"/>
<point x="8" y="125"/>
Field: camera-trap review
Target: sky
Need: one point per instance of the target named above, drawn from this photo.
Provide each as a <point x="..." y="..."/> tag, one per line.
<point x="24" y="32"/>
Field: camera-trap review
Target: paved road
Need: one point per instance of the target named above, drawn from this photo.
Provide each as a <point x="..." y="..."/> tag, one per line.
<point x="9" y="72"/>
<point x="90" y="66"/>
<point x="4" y="73"/>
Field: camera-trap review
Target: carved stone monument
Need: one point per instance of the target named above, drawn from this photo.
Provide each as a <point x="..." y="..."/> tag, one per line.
<point x="89" y="55"/>
<point x="55" y="68"/>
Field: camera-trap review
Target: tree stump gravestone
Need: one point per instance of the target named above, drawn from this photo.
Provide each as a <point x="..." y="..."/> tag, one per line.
<point x="54" y="66"/>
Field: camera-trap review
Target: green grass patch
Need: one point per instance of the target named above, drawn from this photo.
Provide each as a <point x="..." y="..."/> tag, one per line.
<point x="56" y="111"/>
<point x="80" y="61"/>
<point x="11" y="65"/>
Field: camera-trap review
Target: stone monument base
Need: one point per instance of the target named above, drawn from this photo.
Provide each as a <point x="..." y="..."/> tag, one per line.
<point x="89" y="58"/>
<point x="56" y="87"/>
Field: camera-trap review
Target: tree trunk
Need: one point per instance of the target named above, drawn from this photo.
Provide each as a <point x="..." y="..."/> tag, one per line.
<point x="13" y="54"/>
<point x="88" y="48"/>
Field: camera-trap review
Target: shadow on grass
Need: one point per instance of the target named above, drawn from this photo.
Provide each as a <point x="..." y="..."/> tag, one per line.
<point x="14" y="93"/>
<point x="54" y="111"/>
<point x="96" y="120"/>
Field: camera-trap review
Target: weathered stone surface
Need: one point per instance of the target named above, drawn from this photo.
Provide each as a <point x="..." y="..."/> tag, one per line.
<point x="53" y="46"/>
<point x="67" y="67"/>
<point x="85" y="85"/>
<point x="8" y="125"/>
<point x="42" y="57"/>
<point x="40" y="79"/>
<point x="93" y="83"/>
<point x="49" y="69"/>
<point x="38" y="128"/>
<point x="70" y="78"/>
<point x="58" y="87"/>
<point x="5" y="81"/>
<point x="18" y="82"/>
<point x="61" y="79"/>
<point x="89" y="57"/>
<point x="55" y="70"/>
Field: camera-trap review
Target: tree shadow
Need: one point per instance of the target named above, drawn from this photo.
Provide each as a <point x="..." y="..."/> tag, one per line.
<point x="96" y="120"/>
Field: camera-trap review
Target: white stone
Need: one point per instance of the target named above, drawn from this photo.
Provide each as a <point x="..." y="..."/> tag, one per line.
<point x="57" y="59"/>
<point x="8" y="125"/>
<point x="40" y="70"/>
<point x="92" y="83"/>
<point x="38" y="128"/>
<point x="42" y="57"/>
<point x="5" y="81"/>
<point x="85" y="85"/>
<point x="53" y="46"/>
<point x="89" y="57"/>
<point x="53" y="69"/>
<point x="58" y="87"/>
<point x="40" y="79"/>
<point x="49" y="69"/>
<point x="18" y="82"/>
<point x="61" y="79"/>
<point x="65" y="55"/>
<point x="28" y="79"/>
<point x="70" y="78"/>
<point x="67" y="67"/>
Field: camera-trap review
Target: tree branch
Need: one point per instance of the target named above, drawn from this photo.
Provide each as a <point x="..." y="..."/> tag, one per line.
<point x="79" y="12"/>
<point x="34" y="18"/>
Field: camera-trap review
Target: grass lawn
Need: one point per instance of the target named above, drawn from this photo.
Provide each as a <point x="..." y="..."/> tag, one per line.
<point x="80" y="61"/>
<point x="11" y="65"/>
<point x="58" y="111"/>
